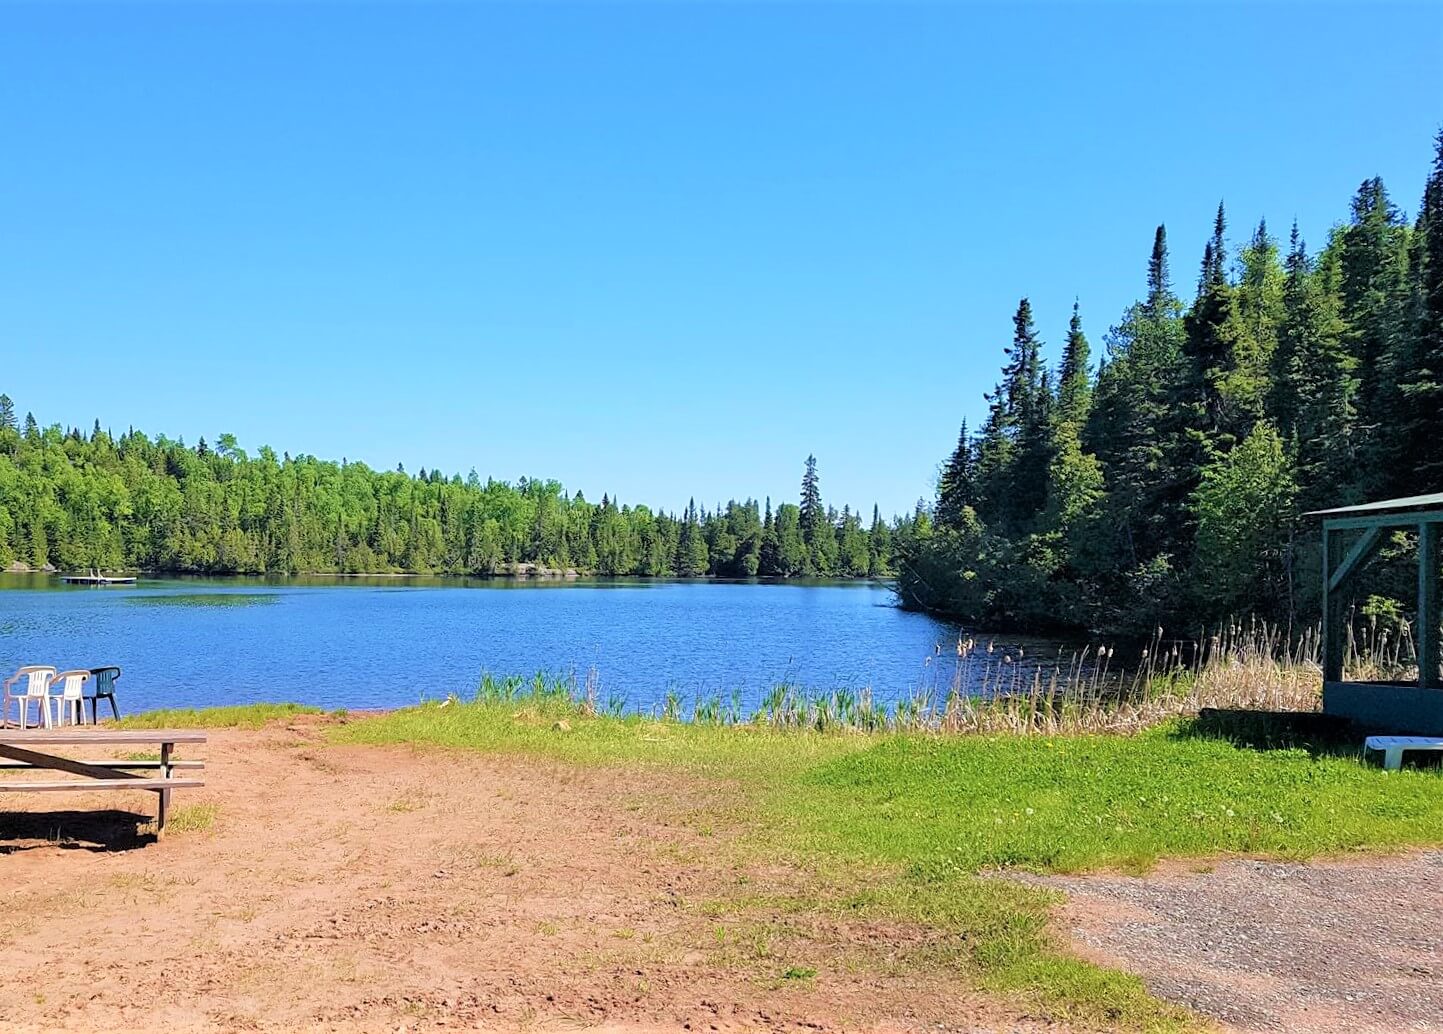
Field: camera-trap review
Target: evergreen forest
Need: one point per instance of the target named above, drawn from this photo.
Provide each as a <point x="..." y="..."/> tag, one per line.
<point x="73" y="501"/>
<point x="1165" y="482"/>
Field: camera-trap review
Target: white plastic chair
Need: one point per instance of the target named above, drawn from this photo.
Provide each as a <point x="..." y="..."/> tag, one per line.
<point x="36" y="678"/>
<point x="66" y="689"/>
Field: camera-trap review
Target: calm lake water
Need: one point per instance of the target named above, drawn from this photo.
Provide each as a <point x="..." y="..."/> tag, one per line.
<point x="374" y="643"/>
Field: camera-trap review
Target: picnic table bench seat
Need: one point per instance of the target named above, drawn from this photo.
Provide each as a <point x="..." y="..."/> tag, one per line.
<point x="31" y="751"/>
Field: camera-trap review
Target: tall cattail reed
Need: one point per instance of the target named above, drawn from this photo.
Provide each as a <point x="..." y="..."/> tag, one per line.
<point x="989" y="688"/>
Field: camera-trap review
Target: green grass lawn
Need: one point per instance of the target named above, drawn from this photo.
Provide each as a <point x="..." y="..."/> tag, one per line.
<point x="940" y="804"/>
<point x="240" y="716"/>
<point x="901" y="825"/>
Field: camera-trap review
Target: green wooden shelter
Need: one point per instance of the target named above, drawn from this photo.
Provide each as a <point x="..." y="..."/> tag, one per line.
<point x="1351" y="535"/>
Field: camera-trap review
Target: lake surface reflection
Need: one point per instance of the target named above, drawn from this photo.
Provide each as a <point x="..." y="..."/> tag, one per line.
<point x="376" y="643"/>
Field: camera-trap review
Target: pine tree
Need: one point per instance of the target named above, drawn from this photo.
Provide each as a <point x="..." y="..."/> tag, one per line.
<point x="7" y="414"/>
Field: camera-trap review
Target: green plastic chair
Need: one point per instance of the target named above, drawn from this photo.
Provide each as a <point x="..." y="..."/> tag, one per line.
<point x="104" y="687"/>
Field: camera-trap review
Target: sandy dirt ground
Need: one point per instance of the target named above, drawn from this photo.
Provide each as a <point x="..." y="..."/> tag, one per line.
<point x="380" y="889"/>
<point x="1332" y="947"/>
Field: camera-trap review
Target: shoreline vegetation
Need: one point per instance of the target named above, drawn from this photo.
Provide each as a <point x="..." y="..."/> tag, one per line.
<point x="1166" y="483"/>
<point x="515" y="572"/>
<point x="916" y="815"/>
<point x="1097" y="689"/>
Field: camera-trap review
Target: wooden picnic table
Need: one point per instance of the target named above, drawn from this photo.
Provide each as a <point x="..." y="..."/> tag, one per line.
<point x="31" y="750"/>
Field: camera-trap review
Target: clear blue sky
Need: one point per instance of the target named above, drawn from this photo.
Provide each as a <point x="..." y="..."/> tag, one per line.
<point x="661" y="250"/>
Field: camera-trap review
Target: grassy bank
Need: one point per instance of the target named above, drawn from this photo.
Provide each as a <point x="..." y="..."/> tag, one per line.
<point x="239" y="716"/>
<point x="906" y="825"/>
<point x="940" y="803"/>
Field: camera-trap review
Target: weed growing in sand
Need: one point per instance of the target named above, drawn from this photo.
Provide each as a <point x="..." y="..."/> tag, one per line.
<point x="192" y="818"/>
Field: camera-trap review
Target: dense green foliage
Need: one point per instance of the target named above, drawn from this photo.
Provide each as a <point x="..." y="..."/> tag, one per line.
<point x="76" y="501"/>
<point x="1168" y="487"/>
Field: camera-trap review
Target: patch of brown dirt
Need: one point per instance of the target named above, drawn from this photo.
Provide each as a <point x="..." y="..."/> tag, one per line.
<point x="350" y="889"/>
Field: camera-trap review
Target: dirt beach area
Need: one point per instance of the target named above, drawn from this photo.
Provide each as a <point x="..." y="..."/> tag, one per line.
<point x="315" y="887"/>
<point x="311" y="886"/>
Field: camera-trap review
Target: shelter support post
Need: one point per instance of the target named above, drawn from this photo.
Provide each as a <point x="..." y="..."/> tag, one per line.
<point x="1332" y="618"/>
<point x="1428" y="616"/>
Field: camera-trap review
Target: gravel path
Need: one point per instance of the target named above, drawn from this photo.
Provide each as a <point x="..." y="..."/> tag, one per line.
<point x="1352" y="945"/>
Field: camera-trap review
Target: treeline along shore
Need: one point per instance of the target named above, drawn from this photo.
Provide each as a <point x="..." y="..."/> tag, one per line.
<point x="71" y="500"/>
<point x="1166" y="484"/>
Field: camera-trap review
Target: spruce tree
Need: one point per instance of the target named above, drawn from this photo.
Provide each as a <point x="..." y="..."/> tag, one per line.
<point x="1287" y="366"/>
<point x="7" y="414"/>
<point x="1372" y="263"/>
<point x="769" y="561"/>
<point x="1260" y="297"/>
<point x="1027" y="403"/>
<point x="992" y="459"/>
<point x="1214" y="408"/>
<point x="956" y="487"/>
<point x="691" y="557"/>
<point x="1021" y="375"/>
<point x="1131" y="423"/>
<point x="879" y="545"/>
<point x="1160" y="298"/>
<point x="1074" y="383"/>
<point x="1314" y="384"/>
<point x="1036" y="447"/>
<point x="811" y="515"/>
<point x="1421" y="438"/>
